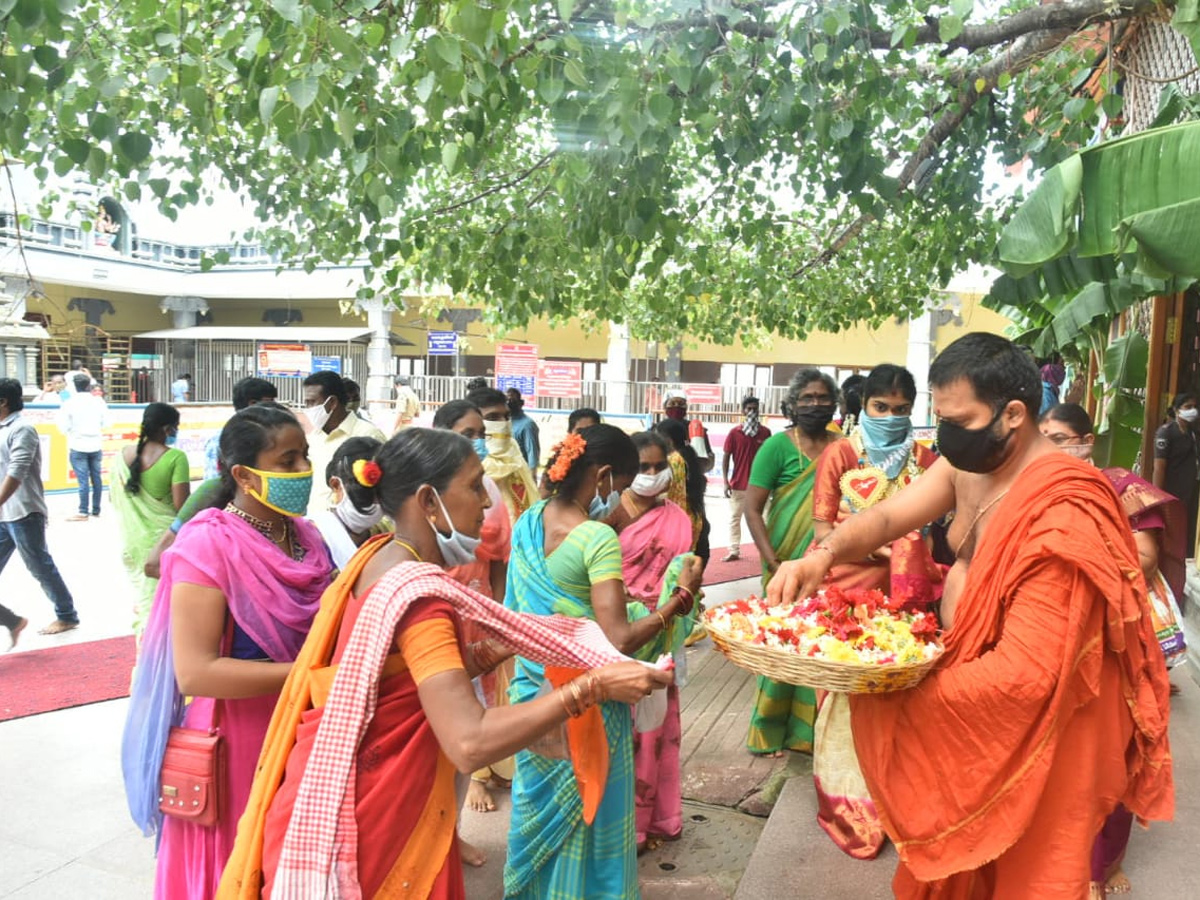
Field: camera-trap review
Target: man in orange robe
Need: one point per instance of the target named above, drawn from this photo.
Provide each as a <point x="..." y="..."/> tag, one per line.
<point x="1050" y="704"/>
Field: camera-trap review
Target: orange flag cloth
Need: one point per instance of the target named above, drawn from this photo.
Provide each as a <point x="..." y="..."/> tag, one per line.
<point x="1050" y="705"/>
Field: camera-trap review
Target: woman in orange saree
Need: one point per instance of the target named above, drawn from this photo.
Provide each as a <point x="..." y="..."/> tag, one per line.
<point x="379" y="709"/>
<point x="878" y="459"/>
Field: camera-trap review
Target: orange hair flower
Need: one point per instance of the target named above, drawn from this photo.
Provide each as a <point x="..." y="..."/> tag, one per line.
<point x="565" y="453"/>
<point x="367" y="472"/>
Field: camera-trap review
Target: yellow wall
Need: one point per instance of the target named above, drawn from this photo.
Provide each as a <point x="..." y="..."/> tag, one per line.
<point x="856" y="347"/>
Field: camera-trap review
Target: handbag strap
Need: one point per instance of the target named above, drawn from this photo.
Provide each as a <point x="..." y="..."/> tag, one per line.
<point x="226" y="649"/>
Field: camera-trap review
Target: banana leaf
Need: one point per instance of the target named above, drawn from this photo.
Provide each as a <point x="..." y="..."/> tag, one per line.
<point x="1167" y="238"/>
<point x="1125" y="364"/>
<point x="1044" y="226"/>
<point x="1187" y="22"/>
<point x="1130" y="176"/>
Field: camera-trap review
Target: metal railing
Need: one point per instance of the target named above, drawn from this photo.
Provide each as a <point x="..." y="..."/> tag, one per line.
<point x="642" y="397"/>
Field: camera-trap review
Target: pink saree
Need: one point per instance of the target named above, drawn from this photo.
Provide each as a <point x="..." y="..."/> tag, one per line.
<point x="648" y="545"/>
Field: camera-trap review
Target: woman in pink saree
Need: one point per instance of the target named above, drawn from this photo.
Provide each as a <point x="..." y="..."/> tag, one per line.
<point x="655" y="535"/>
<point x="238" y="593"/>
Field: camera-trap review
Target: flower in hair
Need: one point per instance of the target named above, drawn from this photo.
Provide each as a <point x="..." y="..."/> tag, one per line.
<point x="565" y="453"/>
<point x="367" y="472"/>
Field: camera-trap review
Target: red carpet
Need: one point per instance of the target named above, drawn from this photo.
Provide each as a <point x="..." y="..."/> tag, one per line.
<point x="40" y="681"/>
<point x="749" y="566"/>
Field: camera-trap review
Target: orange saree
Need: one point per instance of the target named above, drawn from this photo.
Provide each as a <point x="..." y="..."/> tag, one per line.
<point x="1049" y="707"/>
<point x="405" y="784"/>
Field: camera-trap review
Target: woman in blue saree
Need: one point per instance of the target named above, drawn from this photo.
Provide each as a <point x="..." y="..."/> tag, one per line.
<point x="572" y="832"/>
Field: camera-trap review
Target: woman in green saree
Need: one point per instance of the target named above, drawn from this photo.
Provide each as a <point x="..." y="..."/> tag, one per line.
<point x="150" y="482"/>
<point x="784" y="472"/>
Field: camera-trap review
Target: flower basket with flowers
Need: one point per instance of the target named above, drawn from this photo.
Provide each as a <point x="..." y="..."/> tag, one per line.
<point x="853" y="641"/>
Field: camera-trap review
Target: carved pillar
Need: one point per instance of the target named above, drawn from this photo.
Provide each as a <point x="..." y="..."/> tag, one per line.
<point x="379" y="352"/>
<point x="10" y="361"/>
<point x="185" y="311"/>
<point x="33" y="373"/>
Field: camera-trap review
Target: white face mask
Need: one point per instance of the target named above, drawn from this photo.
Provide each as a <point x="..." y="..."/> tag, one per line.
<point x="457" y="548"/>
<point x="499" y="435"/>
<point x="355" y="519"/>
<point x="645" y="485"/>
<point x="318" y="415"/>
<point x="1189" y="415"/>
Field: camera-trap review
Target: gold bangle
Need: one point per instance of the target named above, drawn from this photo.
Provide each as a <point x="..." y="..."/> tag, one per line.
<point x="562" y="695"/>
<point x="661" y="619"/>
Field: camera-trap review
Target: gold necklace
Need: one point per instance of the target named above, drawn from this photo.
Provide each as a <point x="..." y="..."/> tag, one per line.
<point x="262" y="526"/>
<point x="409" y="547"/>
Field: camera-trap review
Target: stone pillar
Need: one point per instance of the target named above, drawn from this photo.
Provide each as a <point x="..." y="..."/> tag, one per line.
<point x="920" y="354"/>
<point x="619" y="358"/>
<point x="185" y="311"/>
<point x="33" y="373"/>
<point x="11" y="352"/>
<point x="378" y="389"/>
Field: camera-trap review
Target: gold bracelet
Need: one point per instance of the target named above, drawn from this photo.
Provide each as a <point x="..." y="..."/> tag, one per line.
<point x="562" y="695"/>
<point x="661" y="619"/>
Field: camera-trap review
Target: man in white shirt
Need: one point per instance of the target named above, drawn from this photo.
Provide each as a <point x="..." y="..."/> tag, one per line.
<point x="82" y="419"/>
<point x="325" y="402"/>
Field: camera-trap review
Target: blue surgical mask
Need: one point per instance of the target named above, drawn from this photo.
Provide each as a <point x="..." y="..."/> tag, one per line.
<point x="887" y="440"/>
<point x="284" y="492"/>
<point x="481" y="448"/>
<point x="457" y="548"/>
<point x="171" y="439"/>
<point x="603" y="508"/>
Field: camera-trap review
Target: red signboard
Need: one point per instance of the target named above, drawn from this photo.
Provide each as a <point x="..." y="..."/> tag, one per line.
<point x="556" y="378"/>
<point x="516" y="367"/>
<point x="702" y="394"/>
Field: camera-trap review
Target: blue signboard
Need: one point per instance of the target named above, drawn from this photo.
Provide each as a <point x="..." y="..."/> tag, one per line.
<point x="443" y="343"/>
<point x="523" y="383"/>
<point x="327" y="364"/>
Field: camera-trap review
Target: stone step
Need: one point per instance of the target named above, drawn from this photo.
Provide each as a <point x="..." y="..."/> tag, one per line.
<point x="795" y="860"/>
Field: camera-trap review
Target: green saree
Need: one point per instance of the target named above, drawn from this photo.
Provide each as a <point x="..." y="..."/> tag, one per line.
<point x="783" y="714"/>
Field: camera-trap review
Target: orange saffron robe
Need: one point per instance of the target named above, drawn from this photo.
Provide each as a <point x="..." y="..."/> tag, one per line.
<point x="1050" y="705"/>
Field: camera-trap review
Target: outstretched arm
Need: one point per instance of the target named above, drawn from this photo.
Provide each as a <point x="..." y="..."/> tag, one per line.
<point x="926" y="499"/>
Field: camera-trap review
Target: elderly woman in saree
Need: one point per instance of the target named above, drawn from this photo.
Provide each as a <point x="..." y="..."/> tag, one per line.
<point x="783" y="473"/>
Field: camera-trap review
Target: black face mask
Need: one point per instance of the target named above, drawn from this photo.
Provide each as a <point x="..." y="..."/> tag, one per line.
<point x="978" y="450"/>
<point x="813" y="419"/>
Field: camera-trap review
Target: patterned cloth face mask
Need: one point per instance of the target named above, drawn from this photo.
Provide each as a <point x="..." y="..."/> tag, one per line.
<point x="284" y="492"/>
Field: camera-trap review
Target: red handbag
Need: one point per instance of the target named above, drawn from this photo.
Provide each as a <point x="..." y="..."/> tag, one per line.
<point x="191" y="783"/>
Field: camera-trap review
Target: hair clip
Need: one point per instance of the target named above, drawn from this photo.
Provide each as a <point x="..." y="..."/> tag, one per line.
<point x="367" y="472"/>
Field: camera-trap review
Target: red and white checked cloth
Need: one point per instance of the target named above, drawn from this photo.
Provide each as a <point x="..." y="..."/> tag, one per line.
<point x="319" y="858"/>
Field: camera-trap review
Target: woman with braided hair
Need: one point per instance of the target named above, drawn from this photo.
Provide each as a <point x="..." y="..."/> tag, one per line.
<point x="575" y="836"/>
<point x="150" y="482"/>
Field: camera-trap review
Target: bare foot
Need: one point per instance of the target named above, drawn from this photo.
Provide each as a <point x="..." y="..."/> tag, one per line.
<point x="15" y="632"/>
<point x="503" y="784"/>
<point x="478" y="798"/>
<point x="778" y="754"/>
<point x="1095" y="890"/>
<point x="1174" y="688"/>
<point x="471" y="855"/>
<point x="1118" y="883"/>
<point x="58" y="626"/>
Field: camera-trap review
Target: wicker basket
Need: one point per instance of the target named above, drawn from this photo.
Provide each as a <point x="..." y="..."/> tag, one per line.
<point x="843" y="677"/>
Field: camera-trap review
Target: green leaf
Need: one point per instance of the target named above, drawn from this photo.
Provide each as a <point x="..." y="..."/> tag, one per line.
<point x="134" y="147"/>
<point x="820" y="52"/>
<point x="574" y="72"/>
<point x="288" y="9"/>
<point x="949" y="27"/>
<point x="77" y="150"/>
<point x="373" y="35"/>
<point x="450" y="157"/>
<point x="267" y="98"/>
<point x="424" y="87"/>
<point x="303" y="91"/>
<point x="662" y="108"/>
<point x="566" y="8"/>
<point x="1044" y="225"/>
